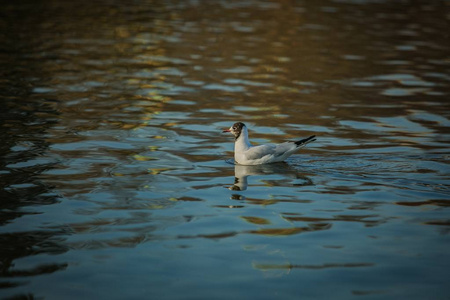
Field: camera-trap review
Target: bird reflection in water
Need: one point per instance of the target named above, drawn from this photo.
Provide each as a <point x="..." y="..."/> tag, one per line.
<point x="242" y="172"/>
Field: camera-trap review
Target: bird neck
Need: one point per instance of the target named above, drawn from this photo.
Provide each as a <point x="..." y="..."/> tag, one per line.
<point x="242" y="143"/>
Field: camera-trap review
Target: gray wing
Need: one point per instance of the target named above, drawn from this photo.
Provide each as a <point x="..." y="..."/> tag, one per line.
<point x="257" y="152"/>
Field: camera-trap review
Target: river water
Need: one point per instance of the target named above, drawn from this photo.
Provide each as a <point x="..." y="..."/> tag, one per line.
<point x="117" y="183"/>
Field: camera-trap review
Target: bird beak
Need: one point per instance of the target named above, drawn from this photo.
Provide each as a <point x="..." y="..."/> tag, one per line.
<point x="226" y="130"/>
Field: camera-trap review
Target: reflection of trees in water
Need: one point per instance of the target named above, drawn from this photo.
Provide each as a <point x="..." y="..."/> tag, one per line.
<point x="21" y="187"/>
<point x="23" y="244"/>
<point x="59" y="80"/>
<point x="47" y="61"/>
<point x="24" y="123"/>
<point x="25" y="117"/>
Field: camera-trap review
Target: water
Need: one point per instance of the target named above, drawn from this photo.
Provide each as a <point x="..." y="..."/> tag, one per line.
<point x="117" y="183"/>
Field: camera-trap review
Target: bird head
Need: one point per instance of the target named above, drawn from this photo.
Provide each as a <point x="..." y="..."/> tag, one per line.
<point x="236" y="129"/>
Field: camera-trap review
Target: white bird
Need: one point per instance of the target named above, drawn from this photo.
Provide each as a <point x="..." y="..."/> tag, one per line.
<point x="247" y="154"/>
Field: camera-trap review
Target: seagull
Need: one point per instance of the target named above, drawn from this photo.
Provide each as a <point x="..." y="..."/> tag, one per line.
<point x="247" y="154"/>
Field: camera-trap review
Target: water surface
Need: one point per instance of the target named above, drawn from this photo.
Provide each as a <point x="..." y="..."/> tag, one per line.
<point x="117" y="183"/>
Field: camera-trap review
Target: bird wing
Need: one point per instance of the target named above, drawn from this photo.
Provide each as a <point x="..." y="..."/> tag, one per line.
<point x="285" y="147"/>
<point x="261" y="151"/>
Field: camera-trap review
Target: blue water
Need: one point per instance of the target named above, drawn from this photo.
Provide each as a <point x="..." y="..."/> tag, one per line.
<point x="118" y="183"/>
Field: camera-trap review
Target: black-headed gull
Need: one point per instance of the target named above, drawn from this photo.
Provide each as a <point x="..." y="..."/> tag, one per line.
<point x="247" y="154"/>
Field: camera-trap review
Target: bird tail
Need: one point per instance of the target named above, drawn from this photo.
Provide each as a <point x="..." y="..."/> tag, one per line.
<point x="303" y="142"/>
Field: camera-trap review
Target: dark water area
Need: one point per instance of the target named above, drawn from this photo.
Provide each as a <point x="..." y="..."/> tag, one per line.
<point x="117" y="183"/>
